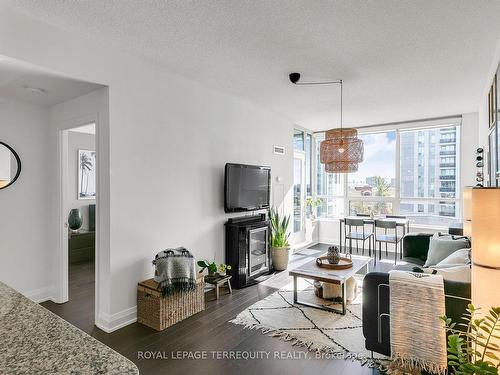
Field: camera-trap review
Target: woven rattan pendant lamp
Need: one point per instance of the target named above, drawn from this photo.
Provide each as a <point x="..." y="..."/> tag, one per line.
<point x="342" y="150"/>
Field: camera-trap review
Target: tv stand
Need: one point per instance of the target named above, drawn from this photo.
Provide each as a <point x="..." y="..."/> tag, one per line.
<point x="247" y="219"/>
<point x="247" y="248"/>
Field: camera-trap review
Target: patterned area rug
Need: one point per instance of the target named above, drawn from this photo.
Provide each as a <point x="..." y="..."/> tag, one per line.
<point x="313" y="328"/>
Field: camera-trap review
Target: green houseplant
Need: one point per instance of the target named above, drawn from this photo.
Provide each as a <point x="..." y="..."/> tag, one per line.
<point x="210" y="266"/>
<point x="311" y="204"/>
<point x="472" y="351"/>
<point x="280" y="248"/>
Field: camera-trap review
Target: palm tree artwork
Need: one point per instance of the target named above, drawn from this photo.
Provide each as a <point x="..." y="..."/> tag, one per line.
<point x="87" y="172"/>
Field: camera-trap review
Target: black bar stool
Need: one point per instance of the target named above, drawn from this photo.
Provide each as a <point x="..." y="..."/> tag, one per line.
<point x="386" y="237"/>
<point x="357" y="236"/>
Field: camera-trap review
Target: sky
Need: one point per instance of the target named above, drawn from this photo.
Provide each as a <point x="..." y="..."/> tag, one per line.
<point x="379" y="157"/>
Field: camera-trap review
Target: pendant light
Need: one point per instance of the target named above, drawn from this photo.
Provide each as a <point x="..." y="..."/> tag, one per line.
<point x="342" y="150"/>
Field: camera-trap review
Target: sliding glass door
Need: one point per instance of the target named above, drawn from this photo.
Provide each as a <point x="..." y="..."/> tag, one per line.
<point x="299" y="196"/>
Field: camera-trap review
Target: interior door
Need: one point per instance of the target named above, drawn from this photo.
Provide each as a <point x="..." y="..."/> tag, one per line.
<point x="299" y="196"/>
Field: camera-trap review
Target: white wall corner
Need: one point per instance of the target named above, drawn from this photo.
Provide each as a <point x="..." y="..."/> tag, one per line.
<point x="41" y="295"/>
<point x="110" y="323"/>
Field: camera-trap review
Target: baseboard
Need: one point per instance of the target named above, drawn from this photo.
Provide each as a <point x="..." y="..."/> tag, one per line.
<point x="41" y="295"/>
<point x="109" y="323"/>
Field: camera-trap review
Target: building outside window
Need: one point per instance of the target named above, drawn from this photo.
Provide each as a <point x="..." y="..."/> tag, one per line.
<point x="429" y="189"/>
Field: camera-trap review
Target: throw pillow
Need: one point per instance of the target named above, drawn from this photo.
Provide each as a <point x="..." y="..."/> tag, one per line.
<point x="458" y="258"/>
<point x="457" y="273"/>
<point x="441" y="246"/>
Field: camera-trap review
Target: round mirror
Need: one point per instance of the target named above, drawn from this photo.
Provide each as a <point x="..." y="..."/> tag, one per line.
<point x="10" y="165"/>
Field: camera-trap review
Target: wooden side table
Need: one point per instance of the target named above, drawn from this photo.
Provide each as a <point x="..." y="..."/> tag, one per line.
<point x="219" y="281"/>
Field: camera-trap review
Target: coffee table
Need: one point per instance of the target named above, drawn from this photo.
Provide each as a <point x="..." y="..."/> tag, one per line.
<point x="312" y="271"/>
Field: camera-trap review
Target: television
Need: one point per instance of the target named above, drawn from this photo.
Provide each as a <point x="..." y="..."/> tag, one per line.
<point x="246" y="187"/>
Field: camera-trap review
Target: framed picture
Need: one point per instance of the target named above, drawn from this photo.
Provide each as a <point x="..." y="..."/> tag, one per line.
<point x="86" y="174"/>
<point x="492" y="103"/>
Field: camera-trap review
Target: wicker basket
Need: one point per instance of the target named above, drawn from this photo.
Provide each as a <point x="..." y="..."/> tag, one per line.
<point x="158" y="312"/>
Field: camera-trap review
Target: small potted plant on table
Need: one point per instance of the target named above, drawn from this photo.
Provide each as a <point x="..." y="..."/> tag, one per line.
<point x="280" y="248"/>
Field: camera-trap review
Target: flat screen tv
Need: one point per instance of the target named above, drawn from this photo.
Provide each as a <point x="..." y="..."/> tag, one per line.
<point x="246" y="187"/>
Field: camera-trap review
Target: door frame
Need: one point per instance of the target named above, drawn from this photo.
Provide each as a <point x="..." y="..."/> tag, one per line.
<point x="62" y="283"/>
<point x="300" y="236"/>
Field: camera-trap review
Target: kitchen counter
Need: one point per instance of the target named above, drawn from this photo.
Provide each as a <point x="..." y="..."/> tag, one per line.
<point x="36" y="341"/>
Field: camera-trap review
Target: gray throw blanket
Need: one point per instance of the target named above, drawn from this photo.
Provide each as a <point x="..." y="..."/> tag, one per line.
<point x="418" y="340"/>
<point x="175" y="270"/>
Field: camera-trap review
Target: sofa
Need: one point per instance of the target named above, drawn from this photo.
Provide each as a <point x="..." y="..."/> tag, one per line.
<point x="415" y="249"/>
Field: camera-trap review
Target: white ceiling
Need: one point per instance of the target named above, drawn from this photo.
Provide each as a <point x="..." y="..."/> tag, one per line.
<point x="400" y="60"/>
<point x="26" y="83"/>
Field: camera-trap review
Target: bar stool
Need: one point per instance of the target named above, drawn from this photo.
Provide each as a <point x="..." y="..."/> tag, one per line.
<point x="386" y="237"/>
<point x="406" y="228"/>
<point x="363" y="236"/>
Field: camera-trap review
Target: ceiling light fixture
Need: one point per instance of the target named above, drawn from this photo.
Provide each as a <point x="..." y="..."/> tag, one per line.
<point x="342" y="150"/>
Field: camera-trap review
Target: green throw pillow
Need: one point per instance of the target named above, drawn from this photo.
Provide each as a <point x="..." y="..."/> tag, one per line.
<point x="441" y="246"/>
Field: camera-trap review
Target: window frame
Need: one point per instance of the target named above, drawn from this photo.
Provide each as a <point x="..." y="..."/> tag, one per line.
<point x="397" y="199"/>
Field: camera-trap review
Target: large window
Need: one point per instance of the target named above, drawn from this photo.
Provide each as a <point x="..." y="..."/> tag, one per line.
<point x="302" y="178"/>
<point x="372" y="188"/>
<point x="329" y="188"/>
<point x="429" y="174"/>
<point x="410" y="172"/>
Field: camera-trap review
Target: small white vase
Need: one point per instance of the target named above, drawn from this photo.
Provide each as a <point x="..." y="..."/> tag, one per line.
<point x="280" y="256"/>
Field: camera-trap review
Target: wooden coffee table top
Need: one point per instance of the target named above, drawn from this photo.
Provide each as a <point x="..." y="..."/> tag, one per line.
<point x="311" y="270"/>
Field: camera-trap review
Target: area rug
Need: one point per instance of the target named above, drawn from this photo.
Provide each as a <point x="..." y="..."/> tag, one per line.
<point x="316" y="329"/>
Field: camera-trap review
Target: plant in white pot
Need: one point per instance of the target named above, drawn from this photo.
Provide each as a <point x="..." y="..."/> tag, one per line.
<point x="280" y="248"/>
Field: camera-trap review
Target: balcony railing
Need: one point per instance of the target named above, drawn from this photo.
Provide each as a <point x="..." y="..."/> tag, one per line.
<point x="445" y="213"/>
<point x="446" y="190"/>
<point x="447" y="177"/>
<point x="447" y="164"/>
<point x="448" y="140"/>
<point x="445" y="152"/>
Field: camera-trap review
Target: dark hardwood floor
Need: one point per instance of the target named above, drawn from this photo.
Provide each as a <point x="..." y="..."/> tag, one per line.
<point x="207" y="331"/>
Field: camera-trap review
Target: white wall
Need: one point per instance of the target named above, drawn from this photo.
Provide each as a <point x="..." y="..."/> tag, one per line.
<point x="78" y="141"/>
<point x="25" y="206"/>
<point x="169" y="138"/>
<point x="469" y="143"/>
<point x="483" y="127"/>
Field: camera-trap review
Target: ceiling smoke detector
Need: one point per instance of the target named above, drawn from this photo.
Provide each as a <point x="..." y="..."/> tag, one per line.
<point x="35" y="90"/>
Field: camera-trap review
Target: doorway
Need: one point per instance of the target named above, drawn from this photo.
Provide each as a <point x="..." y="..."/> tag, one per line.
<point x="79" y="194"/>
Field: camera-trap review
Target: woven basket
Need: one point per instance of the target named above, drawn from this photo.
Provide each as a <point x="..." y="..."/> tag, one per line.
<point x="158" y="312"/>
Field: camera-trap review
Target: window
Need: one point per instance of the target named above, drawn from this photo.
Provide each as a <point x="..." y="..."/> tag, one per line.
<point x="298" y="140"/>
<point x="302" y="181"/>
<point x="372" y="188"/>
<point x="429" y="180"/>
<point x="329" y="188"/>
<point x="308" y="149"/>
<point x="405" y="172"/>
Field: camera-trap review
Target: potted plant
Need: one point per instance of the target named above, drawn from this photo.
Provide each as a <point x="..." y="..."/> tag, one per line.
<point x="210" y="266"/>
<point x="473" y="351"/>
<point x="280" y="248"/>
<point x="311" y="204"/>
<point x="224" y="268"/>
